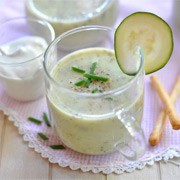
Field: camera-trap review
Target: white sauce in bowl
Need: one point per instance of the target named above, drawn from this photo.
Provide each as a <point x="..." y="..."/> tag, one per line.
<point x="21" y="67"/>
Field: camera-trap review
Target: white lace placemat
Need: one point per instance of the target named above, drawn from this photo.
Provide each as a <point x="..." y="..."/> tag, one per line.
<point x="168" y="147"/>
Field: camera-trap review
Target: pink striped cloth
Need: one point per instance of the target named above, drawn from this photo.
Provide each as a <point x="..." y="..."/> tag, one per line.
<point x="169" y="145"/>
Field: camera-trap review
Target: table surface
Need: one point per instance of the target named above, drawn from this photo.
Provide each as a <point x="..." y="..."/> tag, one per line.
<point x="18" y="161"/>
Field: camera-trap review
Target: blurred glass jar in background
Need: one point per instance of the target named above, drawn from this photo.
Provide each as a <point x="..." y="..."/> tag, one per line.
<point x="64" y="15"/>
<point x="176" y="13"/>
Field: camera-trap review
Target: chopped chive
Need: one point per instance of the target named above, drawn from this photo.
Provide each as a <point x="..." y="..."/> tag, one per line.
<point x="78" y="70"/>
<point x="93" y="67"/>
<point x="34" y="120"/>
<point x="80" y="83"/>
<point x="87" y="83"/>
<point x="46" y="119"/>
<point x="95" y="90"/>
<point x="57" y="147"/>
<point x="42" y="136"/>
<point x="109" y="98"/>
<point x="99" y="78"/>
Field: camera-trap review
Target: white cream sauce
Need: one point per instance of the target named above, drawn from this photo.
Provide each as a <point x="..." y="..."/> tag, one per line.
<point x="21" y="67"/>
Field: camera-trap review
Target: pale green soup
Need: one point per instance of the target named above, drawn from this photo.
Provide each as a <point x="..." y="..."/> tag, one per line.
<point x="89" y="125"/>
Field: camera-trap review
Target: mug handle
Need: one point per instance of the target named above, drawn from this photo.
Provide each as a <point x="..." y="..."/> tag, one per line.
<point x="137" y="146"/>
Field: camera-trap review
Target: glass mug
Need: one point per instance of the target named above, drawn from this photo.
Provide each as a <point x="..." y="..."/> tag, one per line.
<point x="92" y="122"/>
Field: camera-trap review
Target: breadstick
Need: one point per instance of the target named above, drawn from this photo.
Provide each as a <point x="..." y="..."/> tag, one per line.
<point x="169" y="108"/>
<point x="161" y="121"/>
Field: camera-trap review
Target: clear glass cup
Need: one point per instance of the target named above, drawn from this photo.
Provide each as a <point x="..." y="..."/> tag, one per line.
<point x="104" y="117"/>
<point x="65" y="15"/>
<point x="22" y="44"/>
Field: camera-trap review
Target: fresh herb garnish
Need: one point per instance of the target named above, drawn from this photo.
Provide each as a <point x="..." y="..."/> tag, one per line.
<point x="87" y="83"/>
<point x="46" y="119"/>
<point x="109" y="98"/>
<point x="34" y="120"/>
<point x="99" y="78"/>
<point x="43" y="136"/>
<point x="76" y="69"/>
<point x="96" y="90"/>
<point x="90" y="76"/>
<point x="92" y="69"/>
<point x="80" y="83"/>
<point x="57" y="147"/>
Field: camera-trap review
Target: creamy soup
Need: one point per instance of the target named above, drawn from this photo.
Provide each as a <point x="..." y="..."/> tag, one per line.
<point x="89" y="124"/>
<point x="64" y="15"/>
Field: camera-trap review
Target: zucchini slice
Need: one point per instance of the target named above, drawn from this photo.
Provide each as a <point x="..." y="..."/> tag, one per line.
<point x="149" y="32"/>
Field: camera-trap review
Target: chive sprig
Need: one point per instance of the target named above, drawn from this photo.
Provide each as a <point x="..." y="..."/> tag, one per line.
<point x="57" y="147"/>
<point x="43" y="136"/>
<point x="79" y="70"/>
<point x="46" y="119"/>
<point x="90" y="76"/>
<point x="34" y="120"/>
<point x="99" y="78"/>
<point x="92" y="69"/>
<point x="80" y="83"/>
